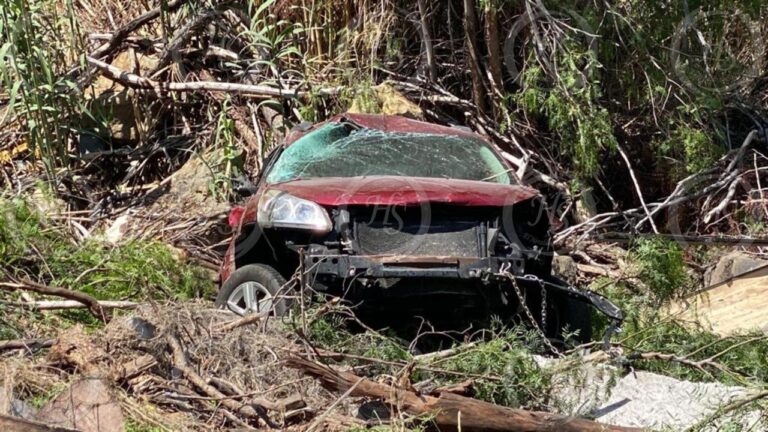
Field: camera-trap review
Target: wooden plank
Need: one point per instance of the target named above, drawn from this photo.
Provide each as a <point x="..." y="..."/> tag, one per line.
<point x="736" y="306"/>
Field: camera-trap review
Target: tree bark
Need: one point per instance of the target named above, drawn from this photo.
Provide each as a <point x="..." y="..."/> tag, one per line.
<point x="475" y="71"/>
<point x="8" y="423"/>
<point x="450" y="411"/>
<point x="495" y="55"/>
<point x="427" y="40"/>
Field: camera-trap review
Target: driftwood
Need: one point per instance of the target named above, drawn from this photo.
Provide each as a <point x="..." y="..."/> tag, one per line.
<point x="450" y="411"/>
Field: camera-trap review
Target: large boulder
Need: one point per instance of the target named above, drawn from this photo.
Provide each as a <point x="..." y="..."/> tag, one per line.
<point x="731" y="266"/>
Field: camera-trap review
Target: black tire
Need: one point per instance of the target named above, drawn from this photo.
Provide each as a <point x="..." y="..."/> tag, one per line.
<point x="262" y="274"/>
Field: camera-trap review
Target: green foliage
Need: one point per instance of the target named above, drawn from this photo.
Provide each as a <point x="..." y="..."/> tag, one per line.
<point x="330" y="332"/>
<point x="514" y="378"/>
<point x="359" y="96"/>
<point x="570" y="104"/>
<point x="37" y="46"/>
<point x="228" y="163"/>
<point x="134" y="426"/>
<point x="693" y="146"/>
<point x="507" y="355"/>
<point x="31" y="246"/>
<point x="649" y="328"/>
<point x="661" y="267"/>
<point x="278" y="39"/>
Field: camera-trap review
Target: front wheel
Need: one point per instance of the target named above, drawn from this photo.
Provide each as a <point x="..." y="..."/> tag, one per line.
<point x="255" y="288"/>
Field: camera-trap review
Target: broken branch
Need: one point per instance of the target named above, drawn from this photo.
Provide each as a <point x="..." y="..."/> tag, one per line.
<point x="91" y="303"/>
<point x="450" y="411"/>
<point x="135" y="81"/>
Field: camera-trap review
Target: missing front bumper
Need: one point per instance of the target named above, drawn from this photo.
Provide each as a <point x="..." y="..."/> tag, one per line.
<point x="491" y="269"/>
<point x="371" y="266"/>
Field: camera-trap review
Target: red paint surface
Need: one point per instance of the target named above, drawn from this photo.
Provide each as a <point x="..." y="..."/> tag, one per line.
<point x="391" y="190"/>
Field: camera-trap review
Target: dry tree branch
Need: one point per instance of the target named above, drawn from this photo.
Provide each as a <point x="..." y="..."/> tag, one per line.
<point x="448" y="410"/>
<point x="121" y="34"/>
<point x="28" y="344"/>
<point x="93" y="305"/>
<point x="637" y="187"/>
<point x="254" y="411"/>
<point x="427" y="40"/>
<point x="135" y="81"/>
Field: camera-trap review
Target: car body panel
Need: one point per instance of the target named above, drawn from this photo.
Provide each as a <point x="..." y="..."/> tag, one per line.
<point x="393" y="190"/>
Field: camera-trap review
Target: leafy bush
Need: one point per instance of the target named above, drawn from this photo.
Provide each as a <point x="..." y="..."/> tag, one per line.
<point x="648" y="328"/>
<point x="570" y="106"/>
<point x="503" y="369"/>
<point x="661" y="267"/>
<point x="30" y="246"/>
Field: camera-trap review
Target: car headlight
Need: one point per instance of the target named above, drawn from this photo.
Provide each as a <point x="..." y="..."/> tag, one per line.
<point x="281" y="210"/>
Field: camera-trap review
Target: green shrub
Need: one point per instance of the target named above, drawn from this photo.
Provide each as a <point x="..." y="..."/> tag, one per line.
<point x="507" y="355"/>
<point x="648" y="328"/>
<point x="30" y="246"/>
<point x="514" y="378"/>
<point x="661" y="267"/>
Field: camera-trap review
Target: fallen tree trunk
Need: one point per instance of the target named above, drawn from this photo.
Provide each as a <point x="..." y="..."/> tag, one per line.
<point x="450" y="411"/>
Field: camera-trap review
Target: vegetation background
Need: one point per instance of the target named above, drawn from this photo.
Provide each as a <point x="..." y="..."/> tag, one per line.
<point x="614" y="110"/>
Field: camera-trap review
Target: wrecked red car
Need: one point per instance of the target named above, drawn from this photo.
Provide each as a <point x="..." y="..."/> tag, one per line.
<point x="387" y="212"/>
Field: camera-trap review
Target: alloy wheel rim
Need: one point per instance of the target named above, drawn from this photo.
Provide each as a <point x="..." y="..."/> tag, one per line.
<point x="250" y="297"/>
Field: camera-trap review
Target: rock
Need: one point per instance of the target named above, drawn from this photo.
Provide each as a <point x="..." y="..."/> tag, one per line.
<point x="118" y="115"/>
<point x="86" y="405"/>
<point x="565" y="267"/>
<point x="144" y="329"/>
<point x="384" y="99"/>
<point x="114" y="234"/>
<point x="14" y="407"/>
<point x="585" y="207"/>
<point x="730" y="266"/>
<point x="394" y="103"/>
<point x="639" y="399"/>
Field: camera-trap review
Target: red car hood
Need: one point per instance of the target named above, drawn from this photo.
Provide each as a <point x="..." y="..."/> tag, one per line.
<point x="391" y="190"/>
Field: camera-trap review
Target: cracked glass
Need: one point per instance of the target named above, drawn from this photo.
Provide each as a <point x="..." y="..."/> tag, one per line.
<point x="345" y="150"/>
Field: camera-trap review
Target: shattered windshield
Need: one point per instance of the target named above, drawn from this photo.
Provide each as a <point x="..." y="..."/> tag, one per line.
<point x="343" y="150"/>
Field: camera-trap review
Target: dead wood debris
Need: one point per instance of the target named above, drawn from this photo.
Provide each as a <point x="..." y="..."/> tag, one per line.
<point x="450" y="410"/>
<point x="202" y="368"/>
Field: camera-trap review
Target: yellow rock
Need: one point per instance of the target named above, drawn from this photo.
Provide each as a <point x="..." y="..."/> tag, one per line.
<point x="384" y="99"/>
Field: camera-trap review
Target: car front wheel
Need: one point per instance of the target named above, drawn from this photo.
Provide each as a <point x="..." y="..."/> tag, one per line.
<point x="255" y="288"/>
